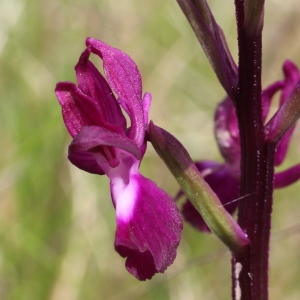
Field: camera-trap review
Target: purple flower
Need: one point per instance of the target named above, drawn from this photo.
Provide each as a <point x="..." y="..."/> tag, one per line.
<point x="224" y="177"/>
<point x="149" y="224"/>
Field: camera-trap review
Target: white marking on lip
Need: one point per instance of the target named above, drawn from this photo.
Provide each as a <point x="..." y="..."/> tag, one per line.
<point x="125" y="196"/>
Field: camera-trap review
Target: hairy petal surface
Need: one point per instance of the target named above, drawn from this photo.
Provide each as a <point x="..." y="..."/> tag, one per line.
<point x="100" y="96"/>
<point x="100" y="144"/>
<point x="124" y="78"/>
<point x="149" y="225"/>
<point x="74" y="118"/>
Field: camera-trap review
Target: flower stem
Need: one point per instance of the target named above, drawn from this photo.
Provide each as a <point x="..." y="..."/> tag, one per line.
<point x="250" y="266"/>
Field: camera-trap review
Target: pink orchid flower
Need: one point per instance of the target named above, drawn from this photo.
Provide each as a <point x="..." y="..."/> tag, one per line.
<point x="149" y="224"/>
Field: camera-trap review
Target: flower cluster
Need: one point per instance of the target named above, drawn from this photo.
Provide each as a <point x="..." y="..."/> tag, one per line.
<point x="223" y="178"/>
<point x="149" y="224"/>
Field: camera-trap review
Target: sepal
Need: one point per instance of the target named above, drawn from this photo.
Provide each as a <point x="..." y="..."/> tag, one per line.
<point x="97" y="145"/>
<point x="223" y="183"/>
<point x="285" y="118"/>
<point x="124" y="78"/>
<point x="287" y="177"/>
<point x="196" y="189"/>
<point x="213" y="42"/>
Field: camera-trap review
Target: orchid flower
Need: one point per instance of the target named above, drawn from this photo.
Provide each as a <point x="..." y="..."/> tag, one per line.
<point x="223" y="178"/>
<point x="149" y="224"/>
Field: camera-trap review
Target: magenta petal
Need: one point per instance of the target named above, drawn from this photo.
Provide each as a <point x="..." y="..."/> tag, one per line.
<point x="292" y="76"/>
<point x="86" y="161"/>
<point x="227" y="132"/>
<point x="267" y="96"/>
<point x="73" y="116"/>
<point x="287" y="177"/>
<point x="79" y="110"/>
<point x="124" y="78"/>
<point x="149" y="227"/>
<point x="91" y="137"/>
<point x="89" y="143"/>
<point x="282" y="147"/>
<point x="100" y="95"/>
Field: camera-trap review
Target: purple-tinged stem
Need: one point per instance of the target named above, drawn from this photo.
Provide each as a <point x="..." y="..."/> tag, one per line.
<point x="250" y="266"/>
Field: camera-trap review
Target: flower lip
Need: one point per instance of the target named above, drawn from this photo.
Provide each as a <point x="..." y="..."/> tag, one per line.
<point x="149" y="236"/>
<point x="95" y="145"/>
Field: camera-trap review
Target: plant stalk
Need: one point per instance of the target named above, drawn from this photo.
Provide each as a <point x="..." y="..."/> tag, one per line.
<point x="250" y="266"/>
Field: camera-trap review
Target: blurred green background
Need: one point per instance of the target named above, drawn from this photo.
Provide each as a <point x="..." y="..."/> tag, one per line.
<point x="56" y="222"/>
